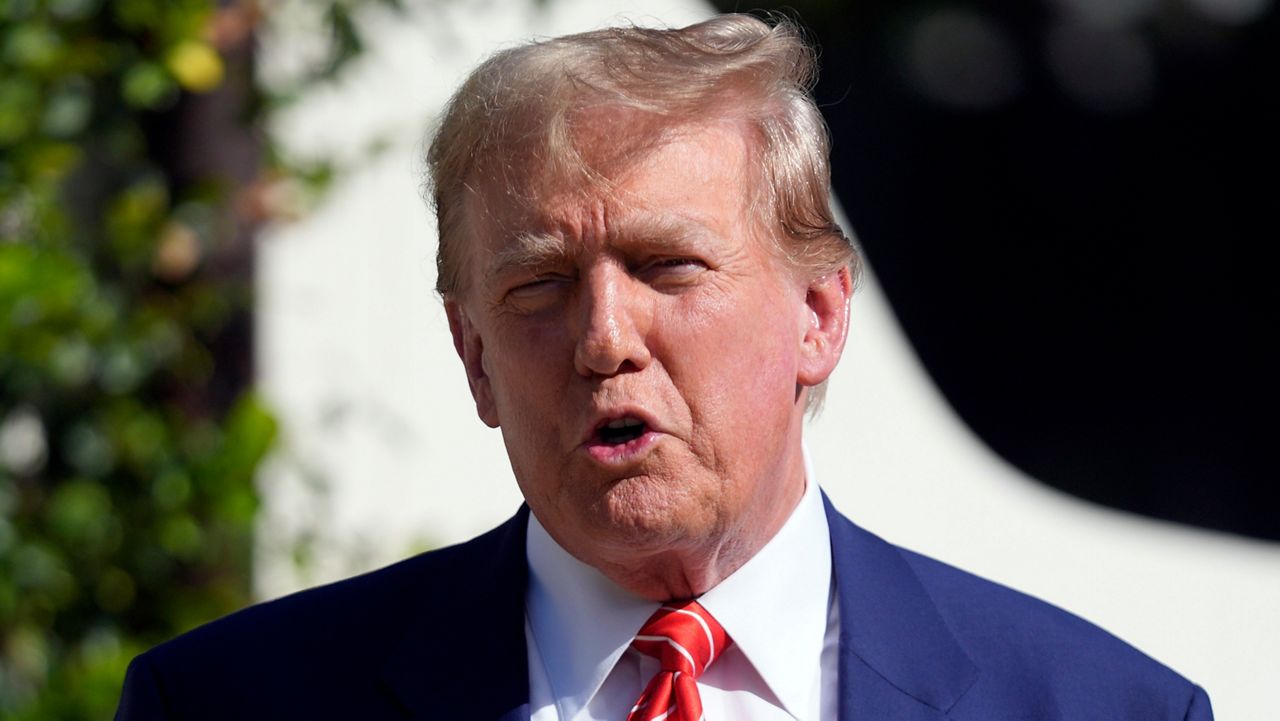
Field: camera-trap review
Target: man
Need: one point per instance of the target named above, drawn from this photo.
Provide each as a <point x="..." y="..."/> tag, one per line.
<point x="647" y="290"/>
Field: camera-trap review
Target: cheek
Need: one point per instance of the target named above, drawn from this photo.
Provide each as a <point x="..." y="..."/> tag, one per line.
<point x="526" y="371"/>
<point x="735" y="353"/>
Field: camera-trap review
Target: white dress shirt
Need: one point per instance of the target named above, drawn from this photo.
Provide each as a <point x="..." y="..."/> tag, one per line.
<point x="779" y="608"/>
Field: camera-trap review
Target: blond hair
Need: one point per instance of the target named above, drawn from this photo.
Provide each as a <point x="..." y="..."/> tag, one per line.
<point x="515" y="113"/>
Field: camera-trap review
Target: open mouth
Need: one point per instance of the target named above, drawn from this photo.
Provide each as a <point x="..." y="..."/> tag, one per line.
<point x="620" y="431"/>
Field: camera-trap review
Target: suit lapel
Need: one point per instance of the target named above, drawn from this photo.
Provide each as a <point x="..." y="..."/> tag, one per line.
<point x="898" y="659"/>
<point x="478" y="615"/>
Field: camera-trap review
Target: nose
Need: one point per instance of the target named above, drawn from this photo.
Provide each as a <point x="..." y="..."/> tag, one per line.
<point x="613" y="330"/>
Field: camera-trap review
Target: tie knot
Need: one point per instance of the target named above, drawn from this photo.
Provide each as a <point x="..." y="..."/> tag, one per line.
<point x="683" y="637"/>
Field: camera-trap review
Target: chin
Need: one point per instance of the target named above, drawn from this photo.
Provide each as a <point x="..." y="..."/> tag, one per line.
<point x="643" y="512"/>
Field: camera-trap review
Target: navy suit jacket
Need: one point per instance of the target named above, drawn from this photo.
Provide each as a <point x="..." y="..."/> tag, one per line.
<point x="441" y="636"/>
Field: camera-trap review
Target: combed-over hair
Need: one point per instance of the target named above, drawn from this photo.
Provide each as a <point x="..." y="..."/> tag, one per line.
<point x="515" y="116"/>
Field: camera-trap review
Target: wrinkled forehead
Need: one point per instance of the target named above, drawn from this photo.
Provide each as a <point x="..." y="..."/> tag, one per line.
<point x="590" y="153"/>
<point x="582" y="151"/>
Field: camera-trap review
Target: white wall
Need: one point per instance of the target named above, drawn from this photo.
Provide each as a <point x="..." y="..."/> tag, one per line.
<point x="383" y="454"/>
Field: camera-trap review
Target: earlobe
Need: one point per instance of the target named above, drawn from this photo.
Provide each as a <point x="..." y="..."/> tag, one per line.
<point x="827" y="326"/>
<point x="470" y="348"/>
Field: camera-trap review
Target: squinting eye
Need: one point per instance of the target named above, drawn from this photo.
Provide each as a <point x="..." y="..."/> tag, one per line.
<point x="672" y="268"/>
<point x="536" y="289"/>
<point x="530" y="288"/>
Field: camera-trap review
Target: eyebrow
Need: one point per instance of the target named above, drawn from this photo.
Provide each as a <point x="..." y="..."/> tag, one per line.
<point x="675" y="229"/>
<point x="533" y="250"/>
<point x="527" y="250"/>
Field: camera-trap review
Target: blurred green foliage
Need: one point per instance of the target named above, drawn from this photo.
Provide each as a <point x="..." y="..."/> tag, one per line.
<point x="128" y="441"/>
<point x="126" y="481"/>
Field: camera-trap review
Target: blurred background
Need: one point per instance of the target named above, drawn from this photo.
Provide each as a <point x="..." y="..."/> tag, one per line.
<point x="224" y="376"/>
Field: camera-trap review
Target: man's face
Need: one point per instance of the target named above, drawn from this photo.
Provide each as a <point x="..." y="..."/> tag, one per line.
<point x="643" y="351"/>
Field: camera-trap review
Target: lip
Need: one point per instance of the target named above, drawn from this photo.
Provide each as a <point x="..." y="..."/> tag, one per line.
<point x="606" y="416"/>
<point x="621" y="453"/>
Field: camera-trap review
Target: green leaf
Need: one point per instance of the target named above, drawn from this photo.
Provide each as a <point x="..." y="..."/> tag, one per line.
<point x="148" y="85"/>
<point x="19" y="108"/>
<point x="33" y="46"/>
<point x="80" y="513"/>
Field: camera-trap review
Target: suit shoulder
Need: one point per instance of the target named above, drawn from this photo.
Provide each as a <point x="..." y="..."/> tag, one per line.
<point x="315" y="653"/>
<point x="1054" y="658"/>
<point x="352" y="610"/>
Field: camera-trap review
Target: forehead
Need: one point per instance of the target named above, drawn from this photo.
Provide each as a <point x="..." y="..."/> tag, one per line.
<point x="692" y="175"/>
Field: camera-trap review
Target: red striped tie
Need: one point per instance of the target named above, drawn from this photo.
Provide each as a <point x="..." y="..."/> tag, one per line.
<point x="685" y="639"/>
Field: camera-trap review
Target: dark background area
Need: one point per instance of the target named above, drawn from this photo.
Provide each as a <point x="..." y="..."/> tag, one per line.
<point x="1071" y="207"/>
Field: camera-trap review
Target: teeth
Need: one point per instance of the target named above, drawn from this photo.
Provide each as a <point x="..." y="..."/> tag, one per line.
<point x="624" y="423"/>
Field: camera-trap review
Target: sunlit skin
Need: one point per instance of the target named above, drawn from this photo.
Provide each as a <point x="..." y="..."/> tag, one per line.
<point x="660" y="302"/>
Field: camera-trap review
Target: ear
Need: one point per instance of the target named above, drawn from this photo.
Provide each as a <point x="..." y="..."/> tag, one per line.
<point x="827" y="326"/>
<point x="470" y="348"/>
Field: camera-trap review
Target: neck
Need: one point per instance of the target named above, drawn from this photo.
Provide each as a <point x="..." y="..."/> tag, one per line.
<point x="688" y="571"/>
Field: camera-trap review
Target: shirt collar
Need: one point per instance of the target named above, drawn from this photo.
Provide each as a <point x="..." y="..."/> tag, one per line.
<point x="564" y="596"/>
<point x="774" y="608"/>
